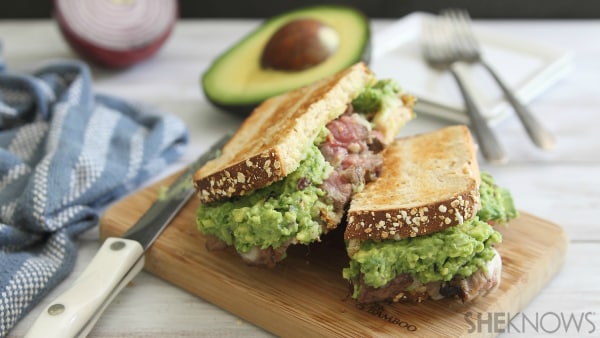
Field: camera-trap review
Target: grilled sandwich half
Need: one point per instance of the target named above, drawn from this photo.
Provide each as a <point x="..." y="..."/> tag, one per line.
<point x="288" y="173"/>
<point x="423" y="230"/>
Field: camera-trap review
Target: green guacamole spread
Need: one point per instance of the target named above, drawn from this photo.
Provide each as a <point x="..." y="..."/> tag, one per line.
<point x="459" y="250"/>
<point x="376" y="96"/>
<point x="273" y="215"/>
<point x="497" y="203"/>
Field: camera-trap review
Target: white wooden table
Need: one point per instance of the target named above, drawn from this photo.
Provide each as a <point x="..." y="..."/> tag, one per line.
<point x="562" y="185"/>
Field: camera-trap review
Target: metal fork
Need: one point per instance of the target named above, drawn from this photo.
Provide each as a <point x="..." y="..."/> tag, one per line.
<point x="437" y="47"/>
<point x="469" y="50"/>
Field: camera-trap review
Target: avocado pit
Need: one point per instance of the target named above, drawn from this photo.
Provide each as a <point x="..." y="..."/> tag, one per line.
<point x="237" y="82"/>
<point x="300" y="44"/>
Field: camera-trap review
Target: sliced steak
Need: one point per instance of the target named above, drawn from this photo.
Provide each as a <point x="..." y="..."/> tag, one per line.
<point x="353" y="150"/>
<point x="480" y="283"/>
<point x="404" y="289"/>
<point x="265" y="257"/>
<point x="388" y="292"/>
<point x="260" y="257"/>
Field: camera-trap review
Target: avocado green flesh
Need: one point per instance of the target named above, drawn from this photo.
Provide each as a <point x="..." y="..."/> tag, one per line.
<point x="236" y="78"/>
<point x="274" y="215"/>
<point x="376" y="96"/>
<point x="500" y="207"/>
<point x="459" y="250"/>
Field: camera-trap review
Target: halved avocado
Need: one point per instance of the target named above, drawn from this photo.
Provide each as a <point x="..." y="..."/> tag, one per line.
<point x="237" y="83"/>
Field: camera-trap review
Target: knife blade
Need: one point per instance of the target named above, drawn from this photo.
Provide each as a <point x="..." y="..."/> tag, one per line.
<point x="117" y="262"/>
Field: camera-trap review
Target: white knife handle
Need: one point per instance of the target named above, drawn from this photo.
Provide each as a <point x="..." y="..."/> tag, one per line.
<point x="69" y="315"/>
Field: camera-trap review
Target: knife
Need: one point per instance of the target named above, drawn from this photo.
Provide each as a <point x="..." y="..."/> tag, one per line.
<point x="118" y="261"/>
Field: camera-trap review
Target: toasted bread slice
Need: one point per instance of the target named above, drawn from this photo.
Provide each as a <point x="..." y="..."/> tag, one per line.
<point x="429" y="182"/>
<point x="272" y="141"/>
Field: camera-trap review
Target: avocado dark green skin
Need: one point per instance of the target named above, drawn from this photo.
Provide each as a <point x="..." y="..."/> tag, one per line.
<point x="246" y="108"/>
<point x="234" y="109"/>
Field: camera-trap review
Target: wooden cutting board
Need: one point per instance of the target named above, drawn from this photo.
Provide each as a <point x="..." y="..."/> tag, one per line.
<point x="305" y="295"/>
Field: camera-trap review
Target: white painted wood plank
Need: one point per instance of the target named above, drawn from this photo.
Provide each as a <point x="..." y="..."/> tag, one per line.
<point x="562" y="185"/>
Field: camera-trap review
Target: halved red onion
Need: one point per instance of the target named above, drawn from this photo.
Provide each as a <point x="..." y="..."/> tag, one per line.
<point x="116" y="33"/>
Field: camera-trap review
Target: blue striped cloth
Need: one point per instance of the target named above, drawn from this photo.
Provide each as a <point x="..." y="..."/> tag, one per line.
<point x="65" y="152"/>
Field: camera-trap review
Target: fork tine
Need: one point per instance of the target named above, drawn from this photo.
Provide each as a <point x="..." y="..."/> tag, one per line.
<point x="467" y="49"/>
<point x="435" y="42"/>
<point x="466" y="26"/>
<point x="440" y="50"/>
<point x="459" y="22"/>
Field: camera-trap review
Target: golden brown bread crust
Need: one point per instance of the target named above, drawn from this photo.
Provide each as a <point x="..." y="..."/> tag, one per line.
<point x="398" y="223"/>
<point x="272" y="141"/>
<point x="429" y="182"/>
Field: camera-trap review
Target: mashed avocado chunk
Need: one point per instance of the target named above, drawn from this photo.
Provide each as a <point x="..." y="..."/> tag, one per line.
<point x="381" y="103"/>
<point x="273" y="215"/>
<point x="459" y="250"/>
<point x="496" y="202"/>
<point x="375" y="96"/>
